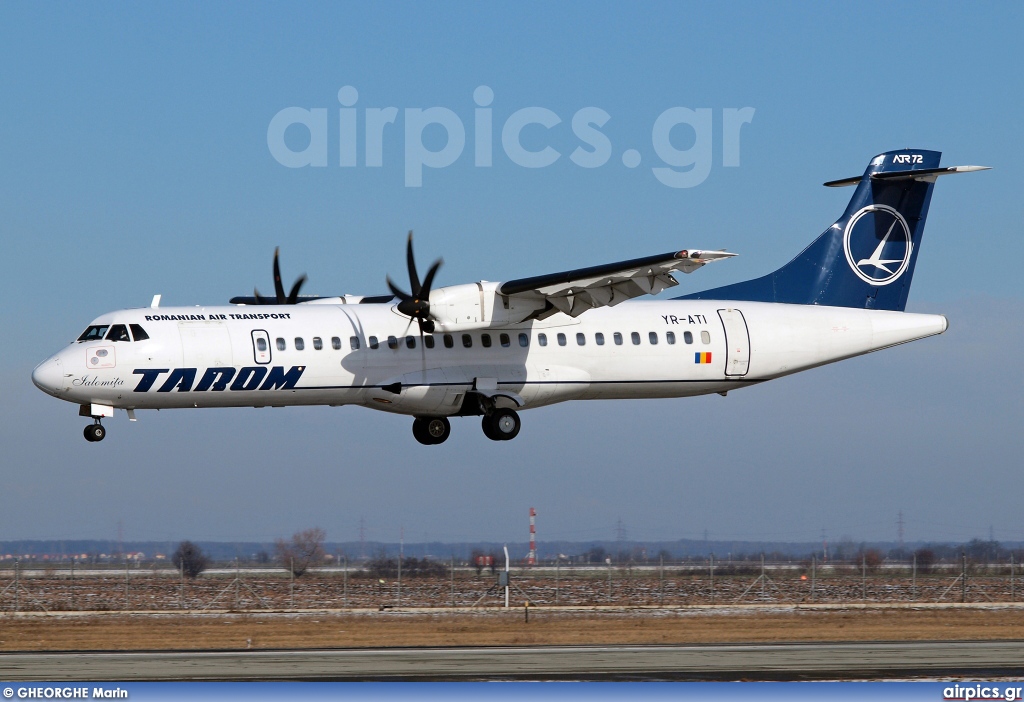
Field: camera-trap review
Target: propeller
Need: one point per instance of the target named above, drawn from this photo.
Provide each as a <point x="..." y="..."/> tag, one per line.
<point x="416" y="305"/>
<point x="281" y="299"/>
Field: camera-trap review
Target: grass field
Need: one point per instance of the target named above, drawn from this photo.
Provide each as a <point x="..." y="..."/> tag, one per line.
<point x="39" y="632"/>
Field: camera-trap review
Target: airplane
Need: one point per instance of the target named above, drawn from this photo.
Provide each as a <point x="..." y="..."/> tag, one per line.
<point x="491" y="350"/>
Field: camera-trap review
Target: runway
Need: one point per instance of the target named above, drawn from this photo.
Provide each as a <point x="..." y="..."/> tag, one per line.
<point x="717" y="662"/>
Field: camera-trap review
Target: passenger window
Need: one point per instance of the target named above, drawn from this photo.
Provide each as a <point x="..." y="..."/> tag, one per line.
<point x="374" y="343"/>
<point x="299" y="344"/>
<point x="617" y="337"/>
<point x="138" y="333"/>
<point x="670" y="337"/>
<point x="118" y="332"/>
<point x="467" y="341"/>
<point x="261" y="345"/>
<point x="561" y="339"/>
<point x="653" y="338"/>
<point x="504" y="341"/>
<point x="599" y="339"/>
<point x="318" y="343"/>
<point x="449" y="342"/>
<point x="393" y="342"/>
<point x="485" y="339"/>
<point x="581" y="339"/>
<point x="353" y="343"/>
<point x="336" y="343"/>
<point x="524" y="340"/>
<point x="635" y="337"/>
<point x="542" y="339"/>
<point x="410" y="342"/>
<point x="688" y="337"/>
<point x="428" y="341"/>
<point x="94" y="333"/>
<point x="705" y="337"/>
<point x="281" y="345"/>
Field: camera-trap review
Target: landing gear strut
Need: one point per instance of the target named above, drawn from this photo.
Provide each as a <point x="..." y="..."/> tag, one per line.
<point x="431" y="430"/>
<point x="95" y="432"/>
<point x="501" y="425"/>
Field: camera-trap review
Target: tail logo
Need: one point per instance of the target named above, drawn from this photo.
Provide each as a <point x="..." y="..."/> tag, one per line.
<point x="877" y="244"/>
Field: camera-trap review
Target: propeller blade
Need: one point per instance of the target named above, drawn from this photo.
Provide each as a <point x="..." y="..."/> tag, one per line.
<point x="414" y="280"/>
<point x="429" y="280"/>
<point x="293" y="296"/>
<point x="407" y="326"/>
<point x="278" y="287"/>
<point x="260" y="300"/>
<point x="397" y="291"/>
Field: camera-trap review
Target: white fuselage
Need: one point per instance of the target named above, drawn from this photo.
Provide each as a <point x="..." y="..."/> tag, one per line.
<point x="213" y="356"/>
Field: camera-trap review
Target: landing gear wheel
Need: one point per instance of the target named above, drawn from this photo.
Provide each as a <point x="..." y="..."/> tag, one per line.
<point x="431" y="430"/>
<point x="438" y="429"/>
<point x="502" y="425"/>
<point x="488" y="429"/>
<point x="95" y="432"/>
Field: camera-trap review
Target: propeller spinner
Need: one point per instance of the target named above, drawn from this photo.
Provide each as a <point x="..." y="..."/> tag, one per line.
<point x="417" y="304"/>
<point x="280" y="298"/>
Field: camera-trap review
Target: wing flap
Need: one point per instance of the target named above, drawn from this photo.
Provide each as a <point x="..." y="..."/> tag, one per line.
<point x="576" y="291"/>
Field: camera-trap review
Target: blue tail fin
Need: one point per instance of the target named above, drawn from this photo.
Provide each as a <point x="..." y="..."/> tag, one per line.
<point x="867" y="258"/>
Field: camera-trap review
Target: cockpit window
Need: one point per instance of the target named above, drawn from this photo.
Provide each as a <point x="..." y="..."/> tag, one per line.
<point x="118" y="332"/>
<point x="94" y="333"/>
<point x="138" y="333"/>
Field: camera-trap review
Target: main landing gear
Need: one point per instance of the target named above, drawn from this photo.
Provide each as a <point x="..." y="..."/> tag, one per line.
<point x="501" y="425"/>
<point x="95" y="432"/>
<point x="431" y="430"/>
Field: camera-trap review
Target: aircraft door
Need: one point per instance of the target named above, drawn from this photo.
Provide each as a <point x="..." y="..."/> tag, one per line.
<point x="205" y="344"/>
<point x="737" y="342"/>
<point x="261" y="346"/>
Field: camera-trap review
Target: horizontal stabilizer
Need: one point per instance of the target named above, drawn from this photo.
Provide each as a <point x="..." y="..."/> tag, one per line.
<point x="925" y="175"/>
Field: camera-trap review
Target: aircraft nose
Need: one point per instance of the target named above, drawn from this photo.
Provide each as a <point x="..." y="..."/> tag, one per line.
<point x="48" y="376"/>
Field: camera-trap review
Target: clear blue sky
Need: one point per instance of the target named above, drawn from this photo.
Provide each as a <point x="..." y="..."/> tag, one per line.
<point x="134" y="160"/>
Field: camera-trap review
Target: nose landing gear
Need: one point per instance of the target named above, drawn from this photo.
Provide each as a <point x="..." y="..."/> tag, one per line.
<point x="95" y="432"/>
<point x="431" y="430"/>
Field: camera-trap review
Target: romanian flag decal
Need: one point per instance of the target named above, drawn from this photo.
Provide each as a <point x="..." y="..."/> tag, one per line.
<point x="702" y="357"/>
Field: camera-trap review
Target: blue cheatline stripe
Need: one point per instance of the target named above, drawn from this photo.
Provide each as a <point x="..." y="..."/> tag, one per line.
<point x="537" y="382"/>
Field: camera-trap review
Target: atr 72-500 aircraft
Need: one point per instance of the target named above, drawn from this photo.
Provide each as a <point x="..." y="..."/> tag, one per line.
<point x="489" y="349"/>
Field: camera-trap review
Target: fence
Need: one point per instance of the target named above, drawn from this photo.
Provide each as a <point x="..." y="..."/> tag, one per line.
<point x="235" y="588"/>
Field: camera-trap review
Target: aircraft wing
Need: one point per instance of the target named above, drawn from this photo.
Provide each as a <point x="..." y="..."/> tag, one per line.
<point x="574" y="292"/>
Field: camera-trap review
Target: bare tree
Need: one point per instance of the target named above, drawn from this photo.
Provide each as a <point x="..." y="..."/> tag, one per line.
<point x="190" y="559"/>
<point x="872" y="559"/>
<point x="305" y="550"/>
<point x="925" y="559"/>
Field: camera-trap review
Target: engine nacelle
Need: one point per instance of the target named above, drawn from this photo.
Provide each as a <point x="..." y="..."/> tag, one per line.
<point x="478" y="306"/>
